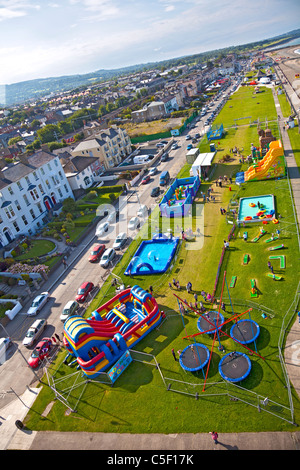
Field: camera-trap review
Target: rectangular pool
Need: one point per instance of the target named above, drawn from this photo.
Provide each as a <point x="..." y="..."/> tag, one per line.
<point x="267" y="206"/>
<point x="153" y="256"/>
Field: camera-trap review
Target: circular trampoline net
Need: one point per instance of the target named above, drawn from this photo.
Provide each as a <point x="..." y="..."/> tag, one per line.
<point x="194" y="357"/>
<point x="245" y="331"/>
<point x="235" y="366"/>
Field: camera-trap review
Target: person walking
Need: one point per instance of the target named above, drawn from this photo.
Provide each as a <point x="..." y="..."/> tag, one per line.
<point x="174" y="355"/>
<point x="214" y="436"/>
<point x="151" y="290"/>
<point x="64" y="263"/>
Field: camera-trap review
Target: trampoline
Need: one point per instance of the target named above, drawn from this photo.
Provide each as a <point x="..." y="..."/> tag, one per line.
<point x="245" y="331"/>
<point x="235" y="367"/>
<point x="206" y="323"/>
<point x="194" y="357"/>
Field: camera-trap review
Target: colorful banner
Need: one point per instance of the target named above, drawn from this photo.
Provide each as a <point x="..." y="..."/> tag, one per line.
<point x="120" y="366"/>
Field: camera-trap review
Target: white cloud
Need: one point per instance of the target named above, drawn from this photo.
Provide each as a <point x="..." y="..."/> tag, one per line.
<point x="10" y="9"/>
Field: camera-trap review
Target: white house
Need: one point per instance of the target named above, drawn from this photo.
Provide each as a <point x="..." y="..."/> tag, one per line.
<point x="79" y="172"/>
<point x="29" y="190"/>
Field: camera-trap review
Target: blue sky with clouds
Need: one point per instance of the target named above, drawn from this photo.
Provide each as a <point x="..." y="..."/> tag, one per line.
<point x="42" y="38"/>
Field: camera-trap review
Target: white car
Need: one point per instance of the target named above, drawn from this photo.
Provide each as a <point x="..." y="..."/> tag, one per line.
<point x="133" y="223"/>
<point x="120" y="241"/>
<point x="38" y="303"/>
<point x="34" y="332"/>
<point x="188" y="137"/>
<point x="143" y="211"/>
<point x="174" y="146"/>
<point x="153" y="171"/>
<point x="107" y="257"/>
<point x="69" y="309"/>
<point x="102" y="228"/>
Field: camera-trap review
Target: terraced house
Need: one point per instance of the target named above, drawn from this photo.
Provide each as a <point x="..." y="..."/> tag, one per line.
<point x="110" y="146"/>
<point x="30" y="189"/>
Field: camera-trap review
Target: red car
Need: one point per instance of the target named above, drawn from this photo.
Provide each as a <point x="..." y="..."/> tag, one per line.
<point x="96" y="253"/>
<point x="146" y="179"/>
<point x="83" y="291"/>
<point x="41" y="351"/>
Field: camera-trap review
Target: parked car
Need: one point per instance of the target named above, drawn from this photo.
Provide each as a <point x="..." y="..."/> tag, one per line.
<point x="133" y="223"/>
<point x="174" y="146"/>
<point x="153" y="171"/>
<point x="102" y="228"/>
<point x="38" y="303"/>
<point x="164" y="157"/>
<point x="34" y="331"/>
<point x="155" y="191"/>
<point x="187" y="137"/>
<point x="197" y="136"/>
<point x="143" y="211"/>
<point x="107" y="257"/>
<point x="160" y="144"/>
<point x="41" y="351"/>
<point x="69" y="309"/>
<point x="84" y="291"/>
<point x="189" y="147"/>
<point x="96" y="253"/>
<point x="5" y="343"/>
<point x="146" y="179"/>
<point x="120" y="241"/>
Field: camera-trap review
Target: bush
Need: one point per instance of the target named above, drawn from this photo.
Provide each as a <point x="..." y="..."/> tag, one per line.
<point x="25" y="246"/>
<point x="13" y="253"/>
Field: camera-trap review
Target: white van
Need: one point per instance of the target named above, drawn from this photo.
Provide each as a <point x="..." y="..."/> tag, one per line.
<point x="4" y="345"/>
<point x="69" y="309"/>
<point x="34" y="332"/>
<point x="141" y="159"/>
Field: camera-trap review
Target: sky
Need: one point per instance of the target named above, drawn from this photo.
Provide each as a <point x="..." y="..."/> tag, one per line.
<point x="42" y="38"/>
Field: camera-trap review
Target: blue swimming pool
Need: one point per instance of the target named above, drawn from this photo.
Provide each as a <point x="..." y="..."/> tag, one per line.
<point x="153" y="256"/>
<point x="266" y="203"/>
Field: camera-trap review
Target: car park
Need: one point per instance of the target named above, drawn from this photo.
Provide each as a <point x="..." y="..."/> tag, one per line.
<point x="146" y="179"/>
<point x="155" y="191"/>
<point x="69" y="309"/>
<point x="41" y="351"/>
<point x="96" y="253"/>
<point x="107" y="257"/>
<point x="34" y="331"/>
<point x="133" y="223"/>
<point x="153" y="171"/>
<point x="38" y="303"/>
<point x="120" y="241"/>
<point x="84" y="291"/>
<point x="102" y="228"/>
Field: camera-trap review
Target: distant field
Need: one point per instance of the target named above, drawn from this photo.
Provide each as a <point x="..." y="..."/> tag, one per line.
<point x="153" y="127"/>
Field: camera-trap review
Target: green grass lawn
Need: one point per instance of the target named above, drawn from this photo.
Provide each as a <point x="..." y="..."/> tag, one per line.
<point x="141" y="391"/>
<point x="37" y="248"/>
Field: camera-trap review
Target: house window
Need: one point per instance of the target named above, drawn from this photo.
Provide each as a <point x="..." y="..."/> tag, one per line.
<point x="16" y="226"/>
<point x="26" y="200"/>
<point x="9" y="212"/>
<point x="18" y="205"/>
<point x="66" y="188"/>
<point x="1" y="220"/>
<point x="60" y="175"/>
<point x="48" y="184"/>
<point x="19" y="185"/>
<point x="42" y="171"/>
<point x="10" y="190"/>
<point x="34" y="194"/>
<point x="32" y="213"/>
<point x="24" y="220"/>
<point x="35" y="176"/>
<point x="55" y="162"/>
<point x="49" y="166"/>
<point x="27" y="180"/>
<point x="39" y="207"/>
<point x="41" y="189"/>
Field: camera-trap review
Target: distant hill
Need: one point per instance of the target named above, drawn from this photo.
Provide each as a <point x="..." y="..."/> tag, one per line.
<point x="21" y="92"/>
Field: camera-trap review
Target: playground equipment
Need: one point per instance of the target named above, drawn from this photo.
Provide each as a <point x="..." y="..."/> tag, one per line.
<point x="209" y="322"/>
<point x="215" y="132"/>
<point x="118" y="325"/>
<point x="271" y="166"/>
<point x="281" y="259"/>
<point x="245" y="331"/>
<point x="246" y="259"/>
<point x="262" y="232"/>
<point x="254" y="292"/>
<point x="278" y="247"/>
<point x="194" y="357"/>
<point x="233" y="281"/>
<point x="235" y="366"/>
<point x="275" y="277"/>
<point x="177" y="201"/>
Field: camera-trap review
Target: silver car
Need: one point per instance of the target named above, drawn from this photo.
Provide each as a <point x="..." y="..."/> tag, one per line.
<point x="34" y="332"/>
<point x="38" y="303"/>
